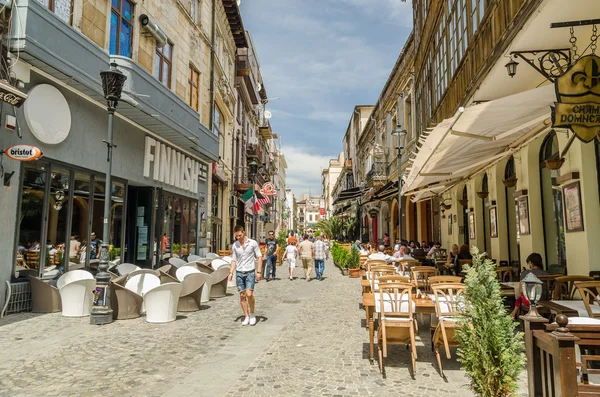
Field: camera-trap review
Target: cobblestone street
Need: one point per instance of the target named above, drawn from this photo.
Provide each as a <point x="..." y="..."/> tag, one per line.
<point x="309" y="342"/>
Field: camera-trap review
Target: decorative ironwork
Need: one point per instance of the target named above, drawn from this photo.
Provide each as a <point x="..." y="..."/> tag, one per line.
<point x="549" y="63"/>
<point x="113" y="81"/>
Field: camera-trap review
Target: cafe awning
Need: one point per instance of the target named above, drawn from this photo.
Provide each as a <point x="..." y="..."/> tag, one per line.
<point x="347" y="194"/>
<point x="388" y="190"/>
<point x="477" y="136"/>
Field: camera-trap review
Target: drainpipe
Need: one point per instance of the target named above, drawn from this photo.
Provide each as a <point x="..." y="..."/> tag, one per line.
<point x="212" y="65"/>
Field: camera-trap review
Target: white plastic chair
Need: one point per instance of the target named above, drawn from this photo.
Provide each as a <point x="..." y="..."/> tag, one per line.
<point x="227" y="259"/>
<point x="177" y="262"/>
<point x="212" y="255"/>
<point x="161" y="303"/>
<point x="204" y="261"/>
<point x="76" y="290"/>
<point x="218" y="288"/>
<point x="184" y="271"/>
<point x="193" y="258"/>
<point x="217" y="263"/>
<point x="142" y="283"/>
<point x="126" y="268"/>
<point x="141" y="271"/>
<point x="206" y="290"/>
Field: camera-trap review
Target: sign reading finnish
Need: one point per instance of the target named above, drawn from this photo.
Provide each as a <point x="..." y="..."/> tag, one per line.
<point x="578" y="93"/>
<point x="166" y="165"/>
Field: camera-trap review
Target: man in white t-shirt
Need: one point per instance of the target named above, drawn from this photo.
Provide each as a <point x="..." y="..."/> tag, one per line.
<point x="245" y="252"/>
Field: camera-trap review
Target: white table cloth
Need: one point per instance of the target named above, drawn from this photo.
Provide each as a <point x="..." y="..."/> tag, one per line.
<point x="579" y="306"/>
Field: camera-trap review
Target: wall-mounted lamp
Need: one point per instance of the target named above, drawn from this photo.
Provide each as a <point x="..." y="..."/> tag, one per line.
<point x="511" y="67"/>
<point x="7" y="177"/>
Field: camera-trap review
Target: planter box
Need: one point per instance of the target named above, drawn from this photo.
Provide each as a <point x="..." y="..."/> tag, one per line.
<point x="354" y="273"/>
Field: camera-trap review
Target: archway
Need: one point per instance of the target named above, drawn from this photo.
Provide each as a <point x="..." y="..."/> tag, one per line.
<point x="487" y="238"/>
<point x="552" y="206"/>
<point x="465" y="218"/>
<point x="395" y="232"/>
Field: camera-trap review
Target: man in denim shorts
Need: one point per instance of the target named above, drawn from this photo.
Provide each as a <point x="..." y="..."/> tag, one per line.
<point x="244" y="253"/>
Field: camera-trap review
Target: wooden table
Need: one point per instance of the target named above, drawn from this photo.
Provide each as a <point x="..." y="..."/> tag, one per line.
<point x="366" y="285"/>
<point x="556" y="308"/>
<point x="422" y="305"/>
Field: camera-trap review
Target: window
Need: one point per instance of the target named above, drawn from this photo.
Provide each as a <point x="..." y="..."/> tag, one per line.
<point x="457" y="33"/>
<point x="193" y="88"/>
<point x="195" y="11"/>
<point x="217" y="121"/>
<point x="121" y="17"/>
<point x="162" y="64"/>
<point x="62" y="8"/>
<point x="477" y="12"/>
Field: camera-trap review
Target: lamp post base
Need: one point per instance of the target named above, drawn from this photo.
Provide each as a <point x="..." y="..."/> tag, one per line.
<point x="100" y="316"/>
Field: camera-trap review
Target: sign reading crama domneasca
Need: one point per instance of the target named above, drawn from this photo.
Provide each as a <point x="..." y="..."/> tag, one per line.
<point x="578" y="94"/>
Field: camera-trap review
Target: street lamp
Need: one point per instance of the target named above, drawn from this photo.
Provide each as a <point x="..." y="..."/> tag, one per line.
<point x="401" y="134"/>
<point x="533" y="292"/>
<point x="253" y="167"/>
<point x="112" y="86"/>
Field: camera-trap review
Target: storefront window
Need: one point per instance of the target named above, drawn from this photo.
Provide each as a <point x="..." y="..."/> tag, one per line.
<point x="115" y="236"/>
<point x="58" y="216"/>
<point x="78" y="247"/>
<point x="178" y="246"/>
<point x="29" y="248"/>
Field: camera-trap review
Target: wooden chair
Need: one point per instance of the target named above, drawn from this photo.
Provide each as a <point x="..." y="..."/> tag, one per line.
<point x="550" y="281"/>
<point x="224" y="252"/>
<point x="504" y="273"/>
<point x="33" y="259"/>
<point x="375" y="262"/>
<point x="396" y="323"/>
<point x="379" y="271"/>
<point x="407" y="264"/>
<point x="447" y="307"/>
<point x="363" y="261"/>
<point x="589" y="291"/>
<point x="564" y="287"/>
<point x="420" y="276"/>
<point x="444" y="279"/>
<point x="393" y="279"/>
<point x="461" y="265"/>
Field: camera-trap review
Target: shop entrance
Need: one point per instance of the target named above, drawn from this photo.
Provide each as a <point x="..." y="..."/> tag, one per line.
<point x="140" y="233"/>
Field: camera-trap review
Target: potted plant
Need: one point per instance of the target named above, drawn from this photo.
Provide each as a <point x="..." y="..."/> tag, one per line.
<point x="490" y="350"/>
<point x="482" y="194"/>
<point x="354" y="263"/>
<point x="554" y="163"/>
<point x="510" y="181"/>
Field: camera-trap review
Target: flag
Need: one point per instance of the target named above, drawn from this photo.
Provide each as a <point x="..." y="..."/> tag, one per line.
<point x="249" y="197"/>
<point x="264" y="201"/>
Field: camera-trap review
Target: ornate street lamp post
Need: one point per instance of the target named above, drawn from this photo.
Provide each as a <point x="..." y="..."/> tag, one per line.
<point x="253" y="166"/>
<point x="401" y="134"/>
<point x="112" y="85"/>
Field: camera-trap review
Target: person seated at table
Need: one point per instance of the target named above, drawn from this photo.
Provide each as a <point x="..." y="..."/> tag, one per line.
<point x="433" y="250"/>
<point x="380" y="254"/>
<point x="535" y="266"/>
<point x="426" y="247"/>
<point x="365" y="249"/>
<point x="463" y="254"/>
<point x="356" y="245"/>
<point x="452" y="255"/>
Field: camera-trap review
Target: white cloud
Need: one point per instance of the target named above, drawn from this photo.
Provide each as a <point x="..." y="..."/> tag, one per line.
<point x="330" y="116"/>
<point x="303" y="174"/>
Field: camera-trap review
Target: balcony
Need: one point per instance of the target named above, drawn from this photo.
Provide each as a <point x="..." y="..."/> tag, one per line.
<point x="253" y="152"/>
<point x="377" y="175"/>
<point x="43" y="40"/>
<point x="266" y="132"/>
<point x="348" y="164"/>
<point x="245" y="70"/>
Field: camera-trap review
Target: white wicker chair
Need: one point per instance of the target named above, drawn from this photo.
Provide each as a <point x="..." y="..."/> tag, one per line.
<point x="141" y="284"/>
<point x="177" y="262"/>
<point x="126" y="268"/>
<point x="76" y="290"/>
<point x="193" y="258"/>
<point x="212" y="255"/>
<point x="217" y="263"/>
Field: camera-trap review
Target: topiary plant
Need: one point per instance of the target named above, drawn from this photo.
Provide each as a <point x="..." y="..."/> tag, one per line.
<point x="490" y="350"/>
<point x="353" y="259"/>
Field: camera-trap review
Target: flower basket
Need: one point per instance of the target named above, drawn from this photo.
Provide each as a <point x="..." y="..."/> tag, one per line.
<point x="463" y="202"/>
<point x="510" y="182"/>
<point x="482" y="194"/>
<point x="554" y="163"/>
<point x="446" y="206"/>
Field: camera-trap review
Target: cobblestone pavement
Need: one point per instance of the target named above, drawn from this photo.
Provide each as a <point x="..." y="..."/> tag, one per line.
<point x="309" y="342"/>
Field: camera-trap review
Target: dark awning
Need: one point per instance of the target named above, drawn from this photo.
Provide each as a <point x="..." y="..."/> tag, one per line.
<point x="388" y="190"/>
<point x="347" y="194"/>
<point x="342" y="209"/>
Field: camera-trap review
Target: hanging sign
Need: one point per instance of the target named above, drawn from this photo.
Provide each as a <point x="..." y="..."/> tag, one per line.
<point x="268" y="189"/>
<point x="578" y="94"/>
<point x="23" y="152"/>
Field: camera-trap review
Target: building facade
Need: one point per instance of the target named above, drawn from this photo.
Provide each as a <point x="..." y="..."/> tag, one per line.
<point x="164" y="140"/>
<point x="329" y="177"/>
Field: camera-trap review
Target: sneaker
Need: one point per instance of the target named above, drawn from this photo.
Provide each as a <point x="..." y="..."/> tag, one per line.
<point x="267" y="279"/>
<point x="247" y="321"/>
<point x="252" y="320"/>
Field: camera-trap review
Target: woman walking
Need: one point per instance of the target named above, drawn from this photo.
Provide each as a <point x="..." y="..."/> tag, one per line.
<point x="291" y="252"/>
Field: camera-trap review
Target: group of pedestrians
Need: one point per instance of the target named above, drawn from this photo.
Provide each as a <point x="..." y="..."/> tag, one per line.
<point x="247" y="263"/>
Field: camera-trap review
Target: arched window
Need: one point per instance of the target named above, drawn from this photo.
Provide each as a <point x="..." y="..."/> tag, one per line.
<point x="552" y="209"/>
<point x="511" y="212"/>
<point x="465" y="218"/>
<point x="487" y="243"/>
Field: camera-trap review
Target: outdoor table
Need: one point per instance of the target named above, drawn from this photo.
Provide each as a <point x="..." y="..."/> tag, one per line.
<point x="422" y="305"/>
<point x="575" y="308"/>
<point x="511" y="285"/>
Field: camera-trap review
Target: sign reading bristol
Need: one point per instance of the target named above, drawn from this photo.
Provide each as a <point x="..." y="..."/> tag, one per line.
<point x="578" y="93"/>
<point x="23" y="152"/>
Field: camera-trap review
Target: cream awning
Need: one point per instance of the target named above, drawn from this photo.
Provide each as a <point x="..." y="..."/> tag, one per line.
<point x="477" y="136"/>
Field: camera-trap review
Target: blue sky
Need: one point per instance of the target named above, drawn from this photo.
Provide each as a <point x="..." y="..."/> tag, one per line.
<point x="321" y="58"/>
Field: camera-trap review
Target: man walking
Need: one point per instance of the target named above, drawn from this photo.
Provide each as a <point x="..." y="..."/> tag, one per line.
<point x="320" y="256"/>
<point x="244" y="253"/>
<point x="272" y="251"/>
<point x="307" y="253"/>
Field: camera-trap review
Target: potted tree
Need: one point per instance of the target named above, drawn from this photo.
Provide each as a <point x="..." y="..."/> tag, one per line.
<point x="282" y="244"/>
<point x="354" y="263"/>
<point x="490" y="350"/>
